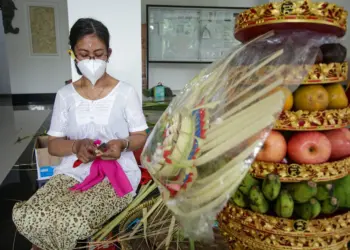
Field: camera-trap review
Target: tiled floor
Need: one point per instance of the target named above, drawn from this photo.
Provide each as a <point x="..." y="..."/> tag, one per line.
<point x="17" y="172"/>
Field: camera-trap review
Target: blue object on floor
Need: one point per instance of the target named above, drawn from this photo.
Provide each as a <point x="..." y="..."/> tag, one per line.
<point x="46" y="171"/>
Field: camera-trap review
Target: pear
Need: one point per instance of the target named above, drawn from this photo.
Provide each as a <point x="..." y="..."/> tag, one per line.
<point x="337" y="96"/>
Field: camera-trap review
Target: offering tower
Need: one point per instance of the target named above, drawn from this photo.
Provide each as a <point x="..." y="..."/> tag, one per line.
<point x="297" y="194"/>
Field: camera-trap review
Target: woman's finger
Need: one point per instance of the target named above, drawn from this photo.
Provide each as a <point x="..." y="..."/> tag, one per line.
<point x="108" y="153"/>
<point x="83" y="159"/>
<point x="88" y="151"/>
<point x="91" y="150"/>
<point x="108" y="158"/>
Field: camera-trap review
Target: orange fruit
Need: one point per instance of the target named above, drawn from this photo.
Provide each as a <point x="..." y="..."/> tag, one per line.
<point x="311" y="98"/>
<point x="288" y="105"/>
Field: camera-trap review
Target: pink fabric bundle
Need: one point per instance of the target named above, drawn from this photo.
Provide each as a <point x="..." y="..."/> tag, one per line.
<point x="106" y="168"/>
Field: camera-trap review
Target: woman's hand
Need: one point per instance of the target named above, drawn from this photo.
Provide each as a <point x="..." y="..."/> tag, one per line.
<point x="85" y="150"/>
<point x="114" y="150"/>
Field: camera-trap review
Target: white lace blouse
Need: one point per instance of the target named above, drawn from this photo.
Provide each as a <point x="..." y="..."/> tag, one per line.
<point x="111" y="117"/>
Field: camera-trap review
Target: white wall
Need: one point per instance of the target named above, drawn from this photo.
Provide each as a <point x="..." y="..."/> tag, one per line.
<point x="176" y="75"/>
<point x="123" y="19"/>
<point x="5" y="85"/>
<point x="30" y="74"/>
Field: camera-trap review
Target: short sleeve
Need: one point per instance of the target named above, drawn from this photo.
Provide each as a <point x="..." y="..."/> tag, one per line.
<point x="134" y="113"/>
<point x="59" y="118"/>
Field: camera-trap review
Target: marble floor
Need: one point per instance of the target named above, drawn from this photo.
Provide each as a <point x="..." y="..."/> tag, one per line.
<point x="18" y="125"/>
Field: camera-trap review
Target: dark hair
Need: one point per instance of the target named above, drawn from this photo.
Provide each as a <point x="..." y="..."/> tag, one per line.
<point x="88" y="26"/>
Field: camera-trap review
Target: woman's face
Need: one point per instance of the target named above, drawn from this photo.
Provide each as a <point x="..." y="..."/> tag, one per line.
<point x="91" y="47"/>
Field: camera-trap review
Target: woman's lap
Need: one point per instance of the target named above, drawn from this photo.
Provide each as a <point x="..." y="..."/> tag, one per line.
<point x="55" y="218"/>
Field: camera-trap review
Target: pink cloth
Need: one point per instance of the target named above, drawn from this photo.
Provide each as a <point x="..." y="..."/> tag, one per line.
<point x="110" y="169"/>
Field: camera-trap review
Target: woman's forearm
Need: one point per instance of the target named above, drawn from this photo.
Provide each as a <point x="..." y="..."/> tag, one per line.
<point x="61" y="147"/>
<point x="136" y="141"/>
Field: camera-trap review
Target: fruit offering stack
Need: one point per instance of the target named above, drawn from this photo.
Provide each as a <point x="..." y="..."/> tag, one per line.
<point x="304" y="200"/>
<point x="297" y="194"/>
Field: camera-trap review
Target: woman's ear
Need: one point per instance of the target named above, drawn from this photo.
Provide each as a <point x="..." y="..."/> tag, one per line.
<point x="77" y="68"/>
<point x="72" y="55"/>
<point x="109" y="53"/>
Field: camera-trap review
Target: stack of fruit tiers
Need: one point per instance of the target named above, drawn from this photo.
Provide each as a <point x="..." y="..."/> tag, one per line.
<point x="297" y="195"/>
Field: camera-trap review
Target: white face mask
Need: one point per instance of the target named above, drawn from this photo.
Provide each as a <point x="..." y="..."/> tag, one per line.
<point x="92" y="69"/>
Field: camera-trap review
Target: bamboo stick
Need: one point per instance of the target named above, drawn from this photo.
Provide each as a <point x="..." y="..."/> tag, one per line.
<point x="170" y="233"/>
<point x="262" y="92"/>
<point x="249" y="74"/>
<point x="225" y="62"/>
<point x="241" y="157"/>
<point x="231" y="129"/>
<point x="216" y="77"/>
<point x="242" y="119"/>
<point x="206" y="195"/>
<point x="109" y="227"/>
<point x="210" y="207"/>
<point x="162" y="219"/>
<point x="246" y="76"/>
<point x="144" y="212"/>
<point x="228" y="116"/>
<point x="247" y="132"/>
<point x="159" y="201"/>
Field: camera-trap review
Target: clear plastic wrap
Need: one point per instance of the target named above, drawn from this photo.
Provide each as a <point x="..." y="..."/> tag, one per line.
<point x="203" y="145"/>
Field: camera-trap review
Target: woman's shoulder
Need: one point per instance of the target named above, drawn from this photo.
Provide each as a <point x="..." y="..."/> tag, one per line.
<point x="125" y="86"/>
<point x="66" y="90"/>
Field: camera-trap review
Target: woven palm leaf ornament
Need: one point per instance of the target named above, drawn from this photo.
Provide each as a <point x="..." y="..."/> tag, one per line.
<point x="201" y="148"/>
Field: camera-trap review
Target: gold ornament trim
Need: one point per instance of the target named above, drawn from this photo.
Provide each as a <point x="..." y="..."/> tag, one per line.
<point x="302" y="11"/>
<point x="241" y="239"/>
<point x="302" y="172"/>
<point x="339" y="225"/>
<point x="292" y="74"/>
<point x="259" y="231"/>
<point x="313" y="120"/>
<point x="325" y="73"/>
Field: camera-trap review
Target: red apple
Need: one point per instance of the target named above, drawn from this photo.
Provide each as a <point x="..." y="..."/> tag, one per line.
<point x="340" y="141"/>
<point x="274" y="149"/>
<point x="309" y="148"/>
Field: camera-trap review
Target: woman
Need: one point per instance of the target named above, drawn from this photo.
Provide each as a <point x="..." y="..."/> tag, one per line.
<point x="96" y="107"/>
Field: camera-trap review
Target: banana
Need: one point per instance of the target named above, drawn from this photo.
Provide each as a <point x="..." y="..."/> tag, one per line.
<point x="324" y="191"/>
<point x="284" y="204"/>
<point x="330" y="205"/>
<point x="247" y="184"/>
<point x="240" y="199"/>
<point x="257" y="200"/>
<point x="271" y="186"/>
<point x="342" y="191"/>
<point x="308" y="210"/>
<point x="302" y="191"/>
